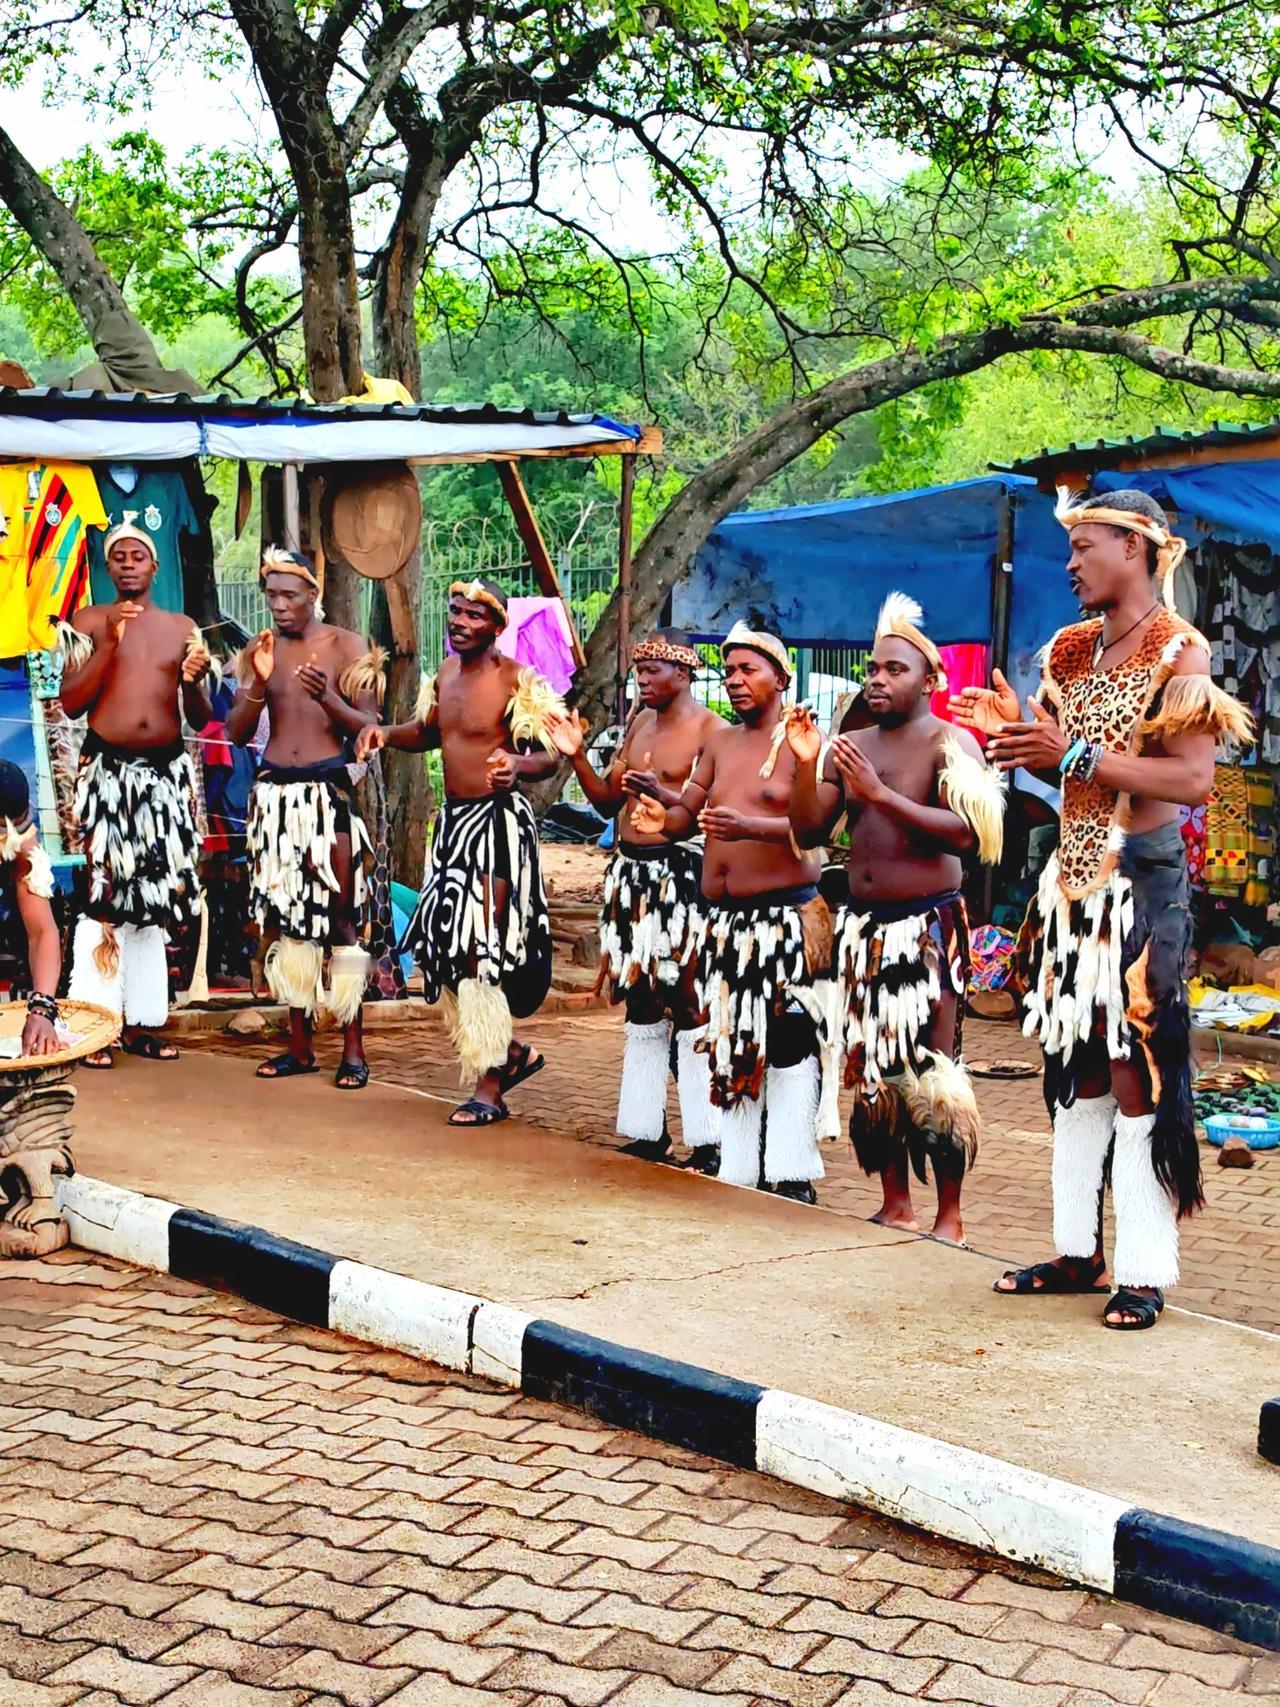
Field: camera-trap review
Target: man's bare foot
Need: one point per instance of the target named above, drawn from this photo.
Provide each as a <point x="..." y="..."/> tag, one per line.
<point x="949" y="1227"/>
<point x="101" y="1059"/>
<point x="900" y="1216"/>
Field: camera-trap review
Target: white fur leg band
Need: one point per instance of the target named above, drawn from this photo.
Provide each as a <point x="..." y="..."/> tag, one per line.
<point x="293" y="971"/>
<point x="740" y="1142"/>
<point x="791" y="1129"/>
<point x="144" y="968"/>
<point x="699" y="1117"/>
<point x="1081" y="1135"/>
<point x="95" y="965"/>
<point x="642" y="1096"/>
<point x="481" y="1028"/>
<point x="348" y="974"/>
<point x="1146" y="1250"/>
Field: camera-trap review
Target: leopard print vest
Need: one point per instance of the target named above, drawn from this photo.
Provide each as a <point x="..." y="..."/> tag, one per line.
<point x="1106" y="706"/>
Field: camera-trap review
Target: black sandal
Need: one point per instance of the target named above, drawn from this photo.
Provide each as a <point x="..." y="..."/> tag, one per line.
<point x="1145" y="1307"/>
<point x="484" y="1113"/>
<point x="285" y="1066"/>
<point x="149" y="1047"/>
<point x="101" y="1061"/>
<point x="1053" y="1278"/>
<point x="522" y="1068"/>
<point x="355" y="1074"/>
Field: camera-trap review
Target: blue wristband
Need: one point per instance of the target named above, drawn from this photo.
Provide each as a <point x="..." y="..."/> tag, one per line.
<point x="1072" y="754"/>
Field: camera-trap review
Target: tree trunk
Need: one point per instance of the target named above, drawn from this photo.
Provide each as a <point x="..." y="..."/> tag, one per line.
<point x="397" y="356"/>
<point x="121" y="341"/>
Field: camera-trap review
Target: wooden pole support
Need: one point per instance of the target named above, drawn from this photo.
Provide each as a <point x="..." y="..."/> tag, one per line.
<point x="625" y="507"/>
<point x="531" y="534"/>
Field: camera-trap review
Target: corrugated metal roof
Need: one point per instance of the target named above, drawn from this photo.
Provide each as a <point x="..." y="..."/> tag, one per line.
<point x="1107" y="453"/>
<point x="48" y="401"/>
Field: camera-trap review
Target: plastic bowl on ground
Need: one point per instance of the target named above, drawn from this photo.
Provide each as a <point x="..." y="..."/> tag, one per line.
<point x="1259" y="1131"/>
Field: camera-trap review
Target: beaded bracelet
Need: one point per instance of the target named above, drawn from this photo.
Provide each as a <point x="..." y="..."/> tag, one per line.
<point x="42" y="1006"/>
<point x="1072" y="755"/>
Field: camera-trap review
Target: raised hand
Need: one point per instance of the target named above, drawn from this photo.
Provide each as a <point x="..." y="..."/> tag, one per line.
<point x="568" y="734"/>
<point x="985" y="709"/>
<point x="371" y="739"/>
<point x="262" y="656"/>
<point x="803" y="735"/>
<point x="123" y="612"/>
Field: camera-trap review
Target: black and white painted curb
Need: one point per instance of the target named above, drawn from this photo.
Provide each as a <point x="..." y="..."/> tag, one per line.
<point x="1213" y="1578"/>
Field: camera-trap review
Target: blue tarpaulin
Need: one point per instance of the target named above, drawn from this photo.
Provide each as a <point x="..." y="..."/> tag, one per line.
<point x="1238" y="501"/>
<point x="818" y="573"/>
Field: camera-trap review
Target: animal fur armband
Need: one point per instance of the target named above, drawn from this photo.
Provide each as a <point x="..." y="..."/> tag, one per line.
<point x="976" y="794"/>
<point x="1195" y="705"/>
<point x="365" y="674"/>
<point x="426" y="705"/>
<point x="531" y="709"/>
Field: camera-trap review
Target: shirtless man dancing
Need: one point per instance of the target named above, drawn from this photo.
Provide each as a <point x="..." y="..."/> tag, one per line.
<point x="768" y="931"/>
<point x="918" y="798"/>
<point x="481" y="931"/>
<point x="651" y="919"/>
<point x="319" y="685"/>
<point x="137" y="671"/>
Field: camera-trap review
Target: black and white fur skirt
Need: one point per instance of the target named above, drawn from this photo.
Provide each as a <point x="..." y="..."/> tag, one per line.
<point x="892" y="964"/>
<point x="486" y="962"/>
<point x="295" y="819"/>
<point x="137" y="812"/>
<point x="752" y="962"/>
<point x="652" y="918"/>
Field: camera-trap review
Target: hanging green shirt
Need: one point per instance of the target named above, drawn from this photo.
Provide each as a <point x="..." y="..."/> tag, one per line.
<point x="159" y="505"/>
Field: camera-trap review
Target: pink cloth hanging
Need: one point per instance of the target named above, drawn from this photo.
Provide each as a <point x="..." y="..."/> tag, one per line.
<point x="537" y="635"/>
<point x="966" y="667"/>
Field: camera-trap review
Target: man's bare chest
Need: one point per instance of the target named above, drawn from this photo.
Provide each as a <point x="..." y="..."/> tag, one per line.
<point x="468" y="712"/>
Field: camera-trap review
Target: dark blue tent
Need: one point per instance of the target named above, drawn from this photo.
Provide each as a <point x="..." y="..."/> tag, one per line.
<point x="818" y="573"/>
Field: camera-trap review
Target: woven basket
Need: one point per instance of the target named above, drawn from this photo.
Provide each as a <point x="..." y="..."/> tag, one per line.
<point x="83" y="1028"/>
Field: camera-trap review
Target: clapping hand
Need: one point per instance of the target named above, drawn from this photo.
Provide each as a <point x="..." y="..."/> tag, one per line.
<point x="803" y="735"/>
<point x="648" y="816"/>
<point x="1035" y="746"/>
<point x="860" y="778"/>
<point x="262" y="656"/>
<point x="504" y="771"/>
<point x="568" y="734"/>
<point x="721" y="824"/>
<point x="985" y="709"/>
<point x="196" y="664"/>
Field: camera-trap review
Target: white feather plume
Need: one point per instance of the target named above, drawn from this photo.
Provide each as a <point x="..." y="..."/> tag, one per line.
<point x="898" y="611"/>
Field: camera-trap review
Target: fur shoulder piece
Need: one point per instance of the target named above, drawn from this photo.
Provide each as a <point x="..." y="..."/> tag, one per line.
<point x="976" y="794"/>
<point x="424" y="710"/>
<point x="1195" y="705"/>
<point x="76" y="648"/>
<point x="14" y="843"/>
<point x="365" y="674"/>
<point x="531" y="707"/>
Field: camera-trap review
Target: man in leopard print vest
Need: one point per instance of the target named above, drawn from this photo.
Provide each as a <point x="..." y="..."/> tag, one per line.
<point x="1126" y="722"/>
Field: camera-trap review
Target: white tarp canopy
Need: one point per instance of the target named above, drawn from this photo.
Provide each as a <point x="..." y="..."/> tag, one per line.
<point x="64" y="426"/>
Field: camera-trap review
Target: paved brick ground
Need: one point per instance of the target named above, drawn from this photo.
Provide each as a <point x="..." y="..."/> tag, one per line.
<point x="203" y="1506"/>
<point x="1231" y="1252"/>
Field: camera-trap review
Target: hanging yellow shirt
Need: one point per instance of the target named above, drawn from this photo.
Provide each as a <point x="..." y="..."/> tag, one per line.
<point x="44" y="572"/>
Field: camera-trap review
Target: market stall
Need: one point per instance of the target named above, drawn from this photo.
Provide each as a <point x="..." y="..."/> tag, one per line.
<point x="337" y="482"/>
